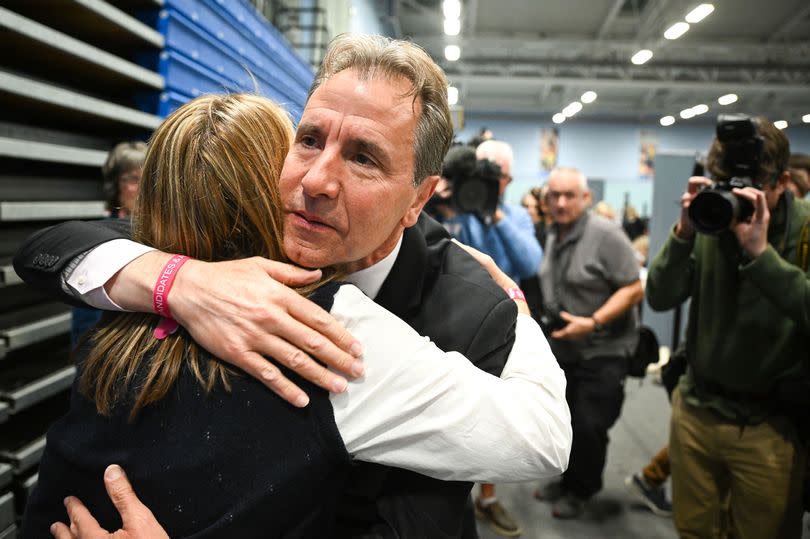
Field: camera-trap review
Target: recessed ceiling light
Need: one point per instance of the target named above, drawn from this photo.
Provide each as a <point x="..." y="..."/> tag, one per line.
<point x="699" y="13"/>
<point x="727" y="99"/>
<point x="700" y="109"/>
<point x="452" y="95"/>
<point x="806" y="118"/>
<point x="641" y="57"/>
<point x="452" y="27"/>
<point x="452" y="9"/>
<point x="588" y="97"/>
<point x="780" y="124"/>
<point x="667" y="120"/>
<point x="558" y="118"/>
<point x="676" y="30"/>
<point x="452" y="52"/>
<point x="687" y="113"/>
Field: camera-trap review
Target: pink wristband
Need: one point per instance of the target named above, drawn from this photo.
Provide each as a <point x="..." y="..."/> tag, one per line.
<point x="516" y="293"/>
<point x="160" y="294"/>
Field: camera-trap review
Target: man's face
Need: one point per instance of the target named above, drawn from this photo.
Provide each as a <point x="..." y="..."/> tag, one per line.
<point x="773" y="191"/>
<point x="128" y="189"/>
<point x="506" y="173"/>
<point x="347" y="183"/>
<point x="566" y="198"/>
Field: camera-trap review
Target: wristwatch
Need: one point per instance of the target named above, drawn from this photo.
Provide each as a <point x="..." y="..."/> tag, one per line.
<point x="596" y="325"/>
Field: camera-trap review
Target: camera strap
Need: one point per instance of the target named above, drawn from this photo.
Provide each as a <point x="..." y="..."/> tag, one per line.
<point x="788" y="203"/>
<point x="803" y="249"/>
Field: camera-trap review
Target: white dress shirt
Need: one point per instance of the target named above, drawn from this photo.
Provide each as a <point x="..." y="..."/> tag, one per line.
<point x="417" y="407"/>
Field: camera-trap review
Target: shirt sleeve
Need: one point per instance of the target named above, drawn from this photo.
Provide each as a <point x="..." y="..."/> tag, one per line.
<point x="519" y="241"/>
<point x="669" y="280"/>
<point x="86" y="280"/>
<point x="435" y="413"/>
<point x="619" y="258"/>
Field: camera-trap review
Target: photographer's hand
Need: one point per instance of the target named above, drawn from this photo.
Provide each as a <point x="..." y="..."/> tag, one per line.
<point x="685" y="229"/>
<point x="753" y="234"/>
<point x="578" y="327"/>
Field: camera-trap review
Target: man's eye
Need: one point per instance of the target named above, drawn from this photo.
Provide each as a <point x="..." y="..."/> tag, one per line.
<point x="363" y="159"/>
<point x="308" y="141"/>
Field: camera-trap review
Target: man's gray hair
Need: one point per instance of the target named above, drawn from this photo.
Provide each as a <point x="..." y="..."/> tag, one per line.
<point x="372" y="56"/>
<point x="495" y="150"/>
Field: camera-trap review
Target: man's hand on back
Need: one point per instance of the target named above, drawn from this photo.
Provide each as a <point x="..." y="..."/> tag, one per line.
<point x="242" y="310"/>
<point x="138" y="522"/>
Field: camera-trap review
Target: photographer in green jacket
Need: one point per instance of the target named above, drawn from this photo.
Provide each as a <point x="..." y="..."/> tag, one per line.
<point x="737" y="252"/>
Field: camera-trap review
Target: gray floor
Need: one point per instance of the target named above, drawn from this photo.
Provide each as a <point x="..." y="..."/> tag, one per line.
<point x="638" y="434"/>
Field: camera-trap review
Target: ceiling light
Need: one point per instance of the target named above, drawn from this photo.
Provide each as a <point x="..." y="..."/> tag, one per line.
<point x="806" y="118"/>
<point x="667" y="120"/>
<point x="558" y="118"/>
<point x="588" y="97"/>
<point x="452" y="27"/>
<point x="452" y="9"/>
<point x="641" y="57"/>
<point x="452" y="95"/>
<point x="727" y="99"/>
<point x="572" y="109"/>
<point x="452" y="53"/>
<point x="699" y="13"/>
<point x="676" y="30"/>
<point x="687" y="113"/>
<point x="700" y="109"/>
<point x="781" y="124"/>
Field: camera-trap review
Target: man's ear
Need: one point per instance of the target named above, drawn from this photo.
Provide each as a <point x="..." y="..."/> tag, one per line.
<point x="423" y="193"/>
<point x="588" y="198"/>
<point x="783" y="178"/>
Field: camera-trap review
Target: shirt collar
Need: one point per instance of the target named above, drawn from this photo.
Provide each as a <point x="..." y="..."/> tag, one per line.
<point x="575" y="232"/>
<point x="371" y="279"/>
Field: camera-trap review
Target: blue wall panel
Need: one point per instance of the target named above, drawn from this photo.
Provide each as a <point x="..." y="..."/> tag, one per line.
<point x="216" y="46"/>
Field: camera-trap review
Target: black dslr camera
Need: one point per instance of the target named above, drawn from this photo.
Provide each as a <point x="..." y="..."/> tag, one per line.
<point x="550" y="319"/>
<point x="714" y="209"/>
<point x="475" y="183"/>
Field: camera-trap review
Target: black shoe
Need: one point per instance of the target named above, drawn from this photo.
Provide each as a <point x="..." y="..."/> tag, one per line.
<point x="567" y="507"/>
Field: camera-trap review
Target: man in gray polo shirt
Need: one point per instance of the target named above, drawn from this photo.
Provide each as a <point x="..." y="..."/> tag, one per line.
<point x="591" y="275"/>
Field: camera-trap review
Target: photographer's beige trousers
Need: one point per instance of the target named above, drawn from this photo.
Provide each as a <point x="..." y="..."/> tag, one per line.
<point x="757" y="469"/>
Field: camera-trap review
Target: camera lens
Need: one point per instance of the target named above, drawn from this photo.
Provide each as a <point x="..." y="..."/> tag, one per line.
<point x="712" y="211"/>
<point x="472" y="195"/>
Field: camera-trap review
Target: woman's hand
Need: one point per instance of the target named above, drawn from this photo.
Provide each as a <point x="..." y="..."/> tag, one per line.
<point x="502" y="279"/>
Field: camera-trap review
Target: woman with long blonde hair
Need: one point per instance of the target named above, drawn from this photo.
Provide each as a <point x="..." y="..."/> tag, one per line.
<point x="211" y="451"/>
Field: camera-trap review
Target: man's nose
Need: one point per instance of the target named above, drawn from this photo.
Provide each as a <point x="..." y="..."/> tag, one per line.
<point x="323" y="177"/>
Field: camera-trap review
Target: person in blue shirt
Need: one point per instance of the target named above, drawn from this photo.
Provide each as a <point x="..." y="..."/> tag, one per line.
<point x="512" y="244"/>
<point x="510" y="239"/>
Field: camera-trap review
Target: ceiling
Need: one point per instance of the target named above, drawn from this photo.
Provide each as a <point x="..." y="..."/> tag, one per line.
<point x="534" y="57"/>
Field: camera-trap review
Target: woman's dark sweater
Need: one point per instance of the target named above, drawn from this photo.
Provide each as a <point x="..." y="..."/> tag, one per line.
<point x="241" y="464"/>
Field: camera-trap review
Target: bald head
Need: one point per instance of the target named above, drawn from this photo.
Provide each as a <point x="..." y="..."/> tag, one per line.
<point x="568" y="195"/>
